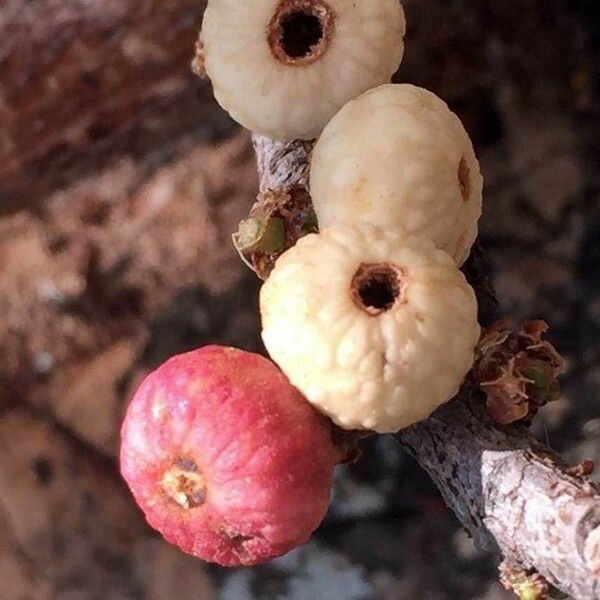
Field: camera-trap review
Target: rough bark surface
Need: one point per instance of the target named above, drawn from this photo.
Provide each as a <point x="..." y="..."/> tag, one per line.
<point x="78" y="79"/>
<point x="511" y="493"/>
<point x="281" y="165"/>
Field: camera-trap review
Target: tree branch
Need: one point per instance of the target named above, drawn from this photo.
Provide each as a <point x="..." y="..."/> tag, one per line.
<point x="512" y="493"/>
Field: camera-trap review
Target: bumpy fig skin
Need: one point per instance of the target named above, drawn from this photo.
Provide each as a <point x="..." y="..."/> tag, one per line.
<point x="399" y="157"/>
<point x="295" y="100"/>
<point x="380" y="371"/>
<point x="265" y="454"/>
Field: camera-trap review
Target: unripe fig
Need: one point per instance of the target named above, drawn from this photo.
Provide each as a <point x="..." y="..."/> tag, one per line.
<point x="376" y="328"/>
<point x="283" y="68"/>
<point x="398" y="157"/>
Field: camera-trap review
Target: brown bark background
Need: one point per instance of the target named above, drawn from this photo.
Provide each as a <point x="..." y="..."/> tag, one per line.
<point x="120" y="183"/>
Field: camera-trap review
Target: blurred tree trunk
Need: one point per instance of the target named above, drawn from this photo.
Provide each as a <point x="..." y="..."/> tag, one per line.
<point x="117" y="190"/>
<point x="112" y="201"/>
<point x="84" y="82"/>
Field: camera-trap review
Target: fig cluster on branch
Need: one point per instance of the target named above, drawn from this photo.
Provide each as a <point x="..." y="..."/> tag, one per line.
<point x="364" y="309"/>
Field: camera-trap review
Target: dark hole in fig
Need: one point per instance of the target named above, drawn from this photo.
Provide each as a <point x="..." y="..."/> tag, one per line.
<point x="301" y="32"/>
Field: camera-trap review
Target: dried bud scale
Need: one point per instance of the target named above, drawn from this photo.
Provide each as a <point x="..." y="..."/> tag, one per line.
<point x="398" y="157"/>
<point x="376" y="328"/>
<point x="518" y="371"/>
<point x="284" y="67"/>
<point x="225" y="457"/>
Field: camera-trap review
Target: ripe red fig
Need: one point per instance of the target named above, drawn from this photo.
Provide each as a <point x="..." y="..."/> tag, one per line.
<point x="226" y="458"/>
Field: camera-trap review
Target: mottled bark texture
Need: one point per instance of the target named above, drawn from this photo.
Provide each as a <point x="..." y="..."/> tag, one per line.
<point x="115" y="214"/>
<point x="113" y="207"/>
<point x="81" y="80"/>
<point x="512" y="493"/>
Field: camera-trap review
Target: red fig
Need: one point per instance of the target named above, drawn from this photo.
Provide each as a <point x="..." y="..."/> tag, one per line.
<point x="226" y="458"/>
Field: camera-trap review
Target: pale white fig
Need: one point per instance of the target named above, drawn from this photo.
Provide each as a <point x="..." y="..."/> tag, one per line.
<point x="375" y="327"/>
<point x="283" y="68"/>
<point x="399" y="157"/>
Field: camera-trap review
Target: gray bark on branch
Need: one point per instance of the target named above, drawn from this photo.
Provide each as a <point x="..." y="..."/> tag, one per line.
<point x="510" y="492"/>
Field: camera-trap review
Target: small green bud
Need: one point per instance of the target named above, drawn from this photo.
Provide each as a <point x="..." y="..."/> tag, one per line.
<point x="259" y="234"/>
<point x="542" y="379"/>
<point x="528" y="592"/>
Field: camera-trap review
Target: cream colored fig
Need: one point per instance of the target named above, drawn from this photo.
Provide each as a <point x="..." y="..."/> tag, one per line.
<point x="283" y="68"/>
<point x="376" y="328"/>
<point x="399" y="157"/>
